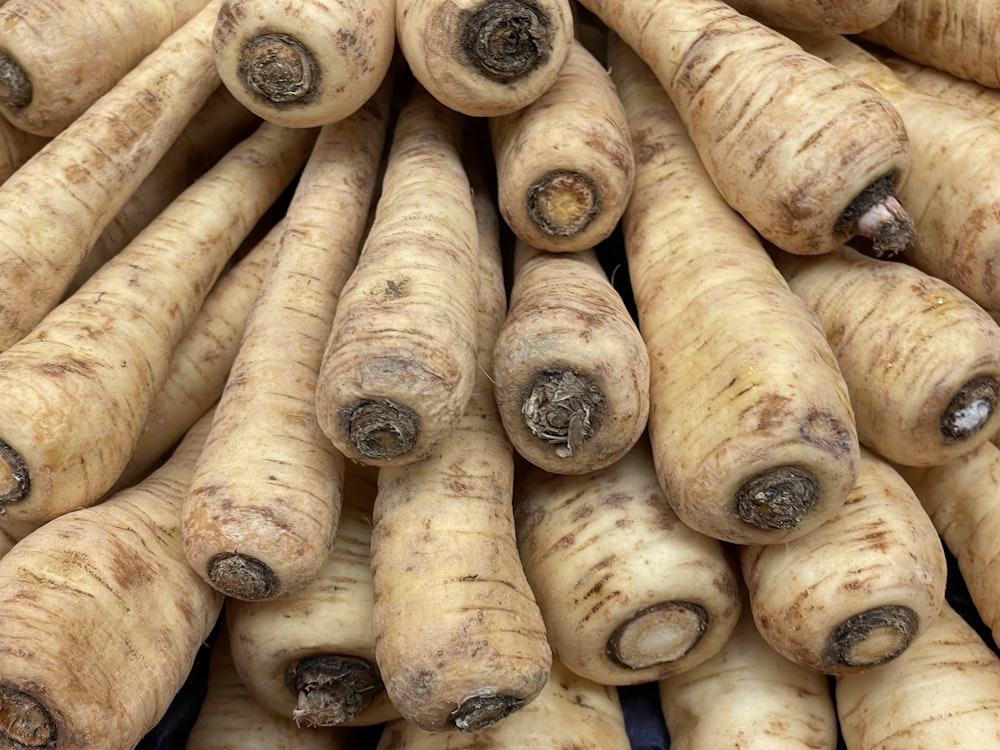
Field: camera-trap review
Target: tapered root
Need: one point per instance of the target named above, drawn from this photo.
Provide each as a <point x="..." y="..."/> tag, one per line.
<point x="279" y="69"/>
<point x="563" y="203"/>
<point x="877" y="215"/>
<point x="24" y="722"/>
<point x="507" y="39"/>
<point x="15" y="85"/>
<point x="871" y="637"/>
<point x="332" y="689"/>
<point x="481" y="711"/>
<point x="970" y="409"/>
<point x="778" y="498"/>
<point x="563" y="408"/>
<point x="16" y="479"/>
<point x="659" y="634"/>
<point x="242" y="577"/>
<point x="379" y="428"/>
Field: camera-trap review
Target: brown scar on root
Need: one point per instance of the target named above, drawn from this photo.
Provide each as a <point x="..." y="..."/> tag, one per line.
<point x="506" y="39"/>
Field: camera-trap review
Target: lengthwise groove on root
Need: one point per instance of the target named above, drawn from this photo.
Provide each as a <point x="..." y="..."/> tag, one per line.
<point x="24" y="722"/>
<point x="563" y="407"/>
<point x="562" y="203"/>
<point x="778" y="498"/>
<point x="379" y="428"/>
<point x="332" y="689"/>
<point x="241" y="576"/>
<point x="506" y="39"/>
<point x="279" y="69"/>
<point x="17" y="483"/>
<point x="876" y="214"/>
<point x="15" y="85"/>
<point x="478" y="712"/>
<point x="871" y="637"/>
<point x="658" y="634"/>
<point x="969" y="409"/>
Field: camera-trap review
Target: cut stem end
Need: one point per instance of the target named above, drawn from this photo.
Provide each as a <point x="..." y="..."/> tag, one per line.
<point x="970" y="409"/>
<point x="877" y="215"/>
<point x="481" y="711"/>
<point x="15" y="86"/>
<point x="332" y="689"/>
<point x="778" y="498"/>
<point x="15" y="478"/>
<point x="659" y="634"/>
<point x="279" y="69"/>
<point x="242" y="577"/>
<point x="563" y="408"/>
<point x="24" y="722"/>
<point x="380" y="429"/>
<point x="507" y="39"/>
<point x="871" y="637"/>
<point x="563" y="203"/>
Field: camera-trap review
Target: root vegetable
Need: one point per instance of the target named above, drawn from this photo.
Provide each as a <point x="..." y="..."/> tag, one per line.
<point x="304" y="64"/>
<point x="79" y="387"/>
<point x="807" y="154"/>
<point x="838" y="17"/>
<point x="750" y="418"/>
<point x="400" y="363"/>
<point x="570" y="369"/>
<point x="564" y="162"/>
<point x="857" y="591"/>
<point x="921" y="359"/>
<point x="628" y="592"/>
<point x="485" y="58"/>
<point x="944" y="85"/>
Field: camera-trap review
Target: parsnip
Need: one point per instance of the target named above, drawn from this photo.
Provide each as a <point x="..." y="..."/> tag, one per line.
<point x="944" y="85"/>
<point x="836" y="16"/>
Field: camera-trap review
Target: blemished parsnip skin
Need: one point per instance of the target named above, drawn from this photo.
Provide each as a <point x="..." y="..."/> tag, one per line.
<point x="943" y="691"/>
<point x="485" y="58"/>
<point x="961" y="38"/>
<point x="459" y="638"/>
<point x="750" y="419"/>
<point x="400" y="363"/>
<point x="55" y="206"/>
<point x="738" y="85"/>
<point x="49" y="74"/>
<point x="944" y="85"/>
<point x="748" y="696"/>
<point x="261" y="513"/>
<point x="838" y="16"/>
<point x="103" y="617"/>
<point x="570" y="712"/>
<point x="628" y="592"/>
<point x="564" y="162"/>
<point x="570" y="368"/>
<point x="231" y="719"/>
<point x="858" y="590"/>
<point x="201" y="360"/>
<point x="921" y="358"/>
<point x="961" y="498"/>
<point x="309" y="656"/>
<point x="16" y="147"/>
<point x="953" y="192"/>
<point x="78" y="389"/>
<point x="304" y="64"/>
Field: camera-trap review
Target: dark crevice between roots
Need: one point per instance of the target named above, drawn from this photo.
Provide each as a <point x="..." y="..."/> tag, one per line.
<point x="685" y="618"/>
<point x="894" y="626"/>
<point x="15" y="86"/>
<point x="242" y="577"/>
<point x="379" y="428"/>
<point x="18" y="481"/>
<point x="564" y="408"/>
<point x="969" y="409"/>
<point x="25" y="724"/>
<point x="877" y="215"/>
<point x="482" y="711"/>
<point x="279" y="69"/>
<point x="563" y="203"/>
<point x="778" y="498"/>
<point x="507" y="39"/>
<point x="332" y="689"/>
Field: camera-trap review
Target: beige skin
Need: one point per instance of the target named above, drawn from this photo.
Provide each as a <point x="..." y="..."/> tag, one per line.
<point x="564" y="162"/>
<point x="86" y="376"/>
<point x="628" y="592"/>
<point x="570" y="711"/>
<point x="750" y="419"/>
<point x="304" y="64"/>
<point x="944" y="691"/>
<point x="103" y="617"/>
<point x="938" y="83"/>
<point x="57" y="204"/>
<point x="952" y="192"/>
<point x="838" y="16"/>
<point x="485" y="58"/>
<point x="262" y="510"/>
<point x="748" y="696"/>
<point x="737" y="84"/>
<point x="921" y="358"/>
<point x="965" y="46"/>
<point x="857" y="591"/>
<point x="400" y="362"/>
<point x="459" y="638"/>
<point x="570" y="369"/>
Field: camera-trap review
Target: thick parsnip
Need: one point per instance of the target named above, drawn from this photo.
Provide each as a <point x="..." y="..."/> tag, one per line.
<point x="750" y="418"/>
<point x="400" y="363"/>
<point x="564" y="162"/>
<point x="570" y="369"/>
<point x="628" y="592"/>
<point x="921" y="359"/>
<point x="836" y="16"/>
<point x="858" y="590"/>
<point x="807" y="154"/>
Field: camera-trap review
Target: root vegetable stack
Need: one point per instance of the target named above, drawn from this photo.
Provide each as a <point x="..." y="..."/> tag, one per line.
<point x="272" y="328"/>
